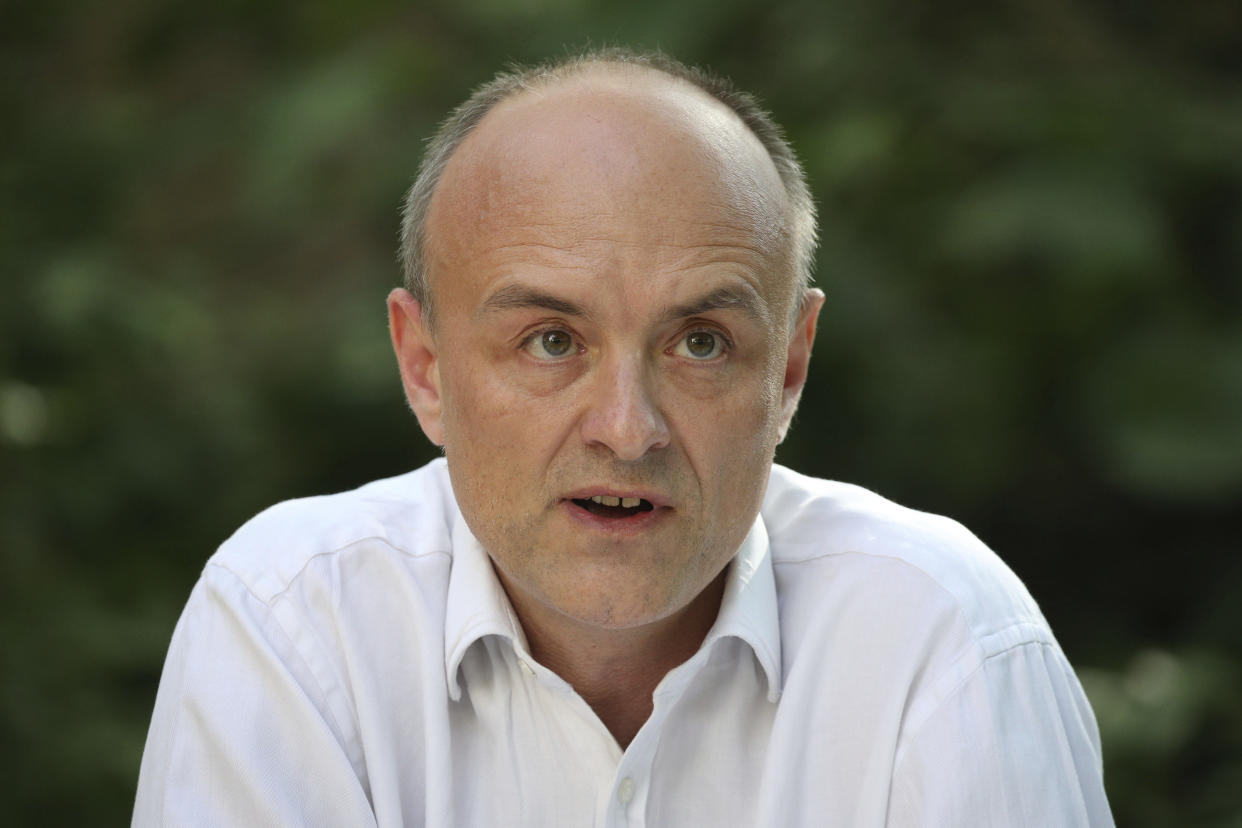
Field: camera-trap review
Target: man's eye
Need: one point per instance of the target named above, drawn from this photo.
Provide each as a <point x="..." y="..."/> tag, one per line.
<point x="551" y="344"/>
<point x="700" y="345"/>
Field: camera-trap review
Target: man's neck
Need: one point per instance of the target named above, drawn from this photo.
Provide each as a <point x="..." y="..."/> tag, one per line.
<point x="616" y="671"/>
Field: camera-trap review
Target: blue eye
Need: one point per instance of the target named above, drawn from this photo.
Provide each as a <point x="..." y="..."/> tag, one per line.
<point x="700" y="345"/>
<point x="550" y="344"/>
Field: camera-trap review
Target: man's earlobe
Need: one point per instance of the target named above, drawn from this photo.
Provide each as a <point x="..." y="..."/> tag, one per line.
<point x="798" y="360"/>
<point x="417" y="358"/>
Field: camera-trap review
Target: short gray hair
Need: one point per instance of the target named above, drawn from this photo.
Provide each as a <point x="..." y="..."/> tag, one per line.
<point x="462" y="121"/>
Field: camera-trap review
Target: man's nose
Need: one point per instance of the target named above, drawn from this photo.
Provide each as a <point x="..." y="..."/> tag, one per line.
<point x="623" y="413"/>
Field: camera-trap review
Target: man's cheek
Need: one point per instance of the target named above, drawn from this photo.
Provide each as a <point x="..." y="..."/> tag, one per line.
<point x="481" y="402"/>
<point x="748" y="411"/>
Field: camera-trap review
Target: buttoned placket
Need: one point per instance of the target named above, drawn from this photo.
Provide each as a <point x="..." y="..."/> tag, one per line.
<point x="627" y="805"/>
<point x="626" y="802"/>
<point x="549" y="682"/>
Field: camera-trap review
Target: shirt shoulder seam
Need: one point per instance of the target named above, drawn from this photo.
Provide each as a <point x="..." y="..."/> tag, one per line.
<point x="956" y="602"/>
<point x="983" y="659"/>
<point x="289" y="583"/>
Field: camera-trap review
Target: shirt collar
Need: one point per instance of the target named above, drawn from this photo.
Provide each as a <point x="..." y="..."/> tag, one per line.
<point x="748" y="610"/>
<point x="478" y="606"/>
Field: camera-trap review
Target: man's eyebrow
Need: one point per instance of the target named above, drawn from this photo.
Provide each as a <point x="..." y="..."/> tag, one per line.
<point x="740" y="298"/>
<point x="519" y="296"/>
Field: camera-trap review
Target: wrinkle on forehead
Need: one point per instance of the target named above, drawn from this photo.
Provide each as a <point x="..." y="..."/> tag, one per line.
<point x="564" y="252"/>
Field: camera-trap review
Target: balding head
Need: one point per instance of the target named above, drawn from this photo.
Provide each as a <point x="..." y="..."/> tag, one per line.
<point x="623" y="155"/>
<point x="711" y="117"/>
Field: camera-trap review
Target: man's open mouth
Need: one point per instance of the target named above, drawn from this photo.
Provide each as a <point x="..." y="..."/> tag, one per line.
<point x="610" y="506"/>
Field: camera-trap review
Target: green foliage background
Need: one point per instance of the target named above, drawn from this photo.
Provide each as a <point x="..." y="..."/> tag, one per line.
<point x="1032" y="239"/>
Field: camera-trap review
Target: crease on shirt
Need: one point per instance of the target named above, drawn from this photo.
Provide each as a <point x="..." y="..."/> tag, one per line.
<point x="981" y="644"/>
<point x="942" y="696"/>
<point x="334" y="696"/>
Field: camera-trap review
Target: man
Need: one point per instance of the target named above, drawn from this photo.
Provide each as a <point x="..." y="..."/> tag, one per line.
<point x="605" y="605"/>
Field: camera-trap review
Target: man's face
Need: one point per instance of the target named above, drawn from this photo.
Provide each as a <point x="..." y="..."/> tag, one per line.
<point x="612" y="287"/>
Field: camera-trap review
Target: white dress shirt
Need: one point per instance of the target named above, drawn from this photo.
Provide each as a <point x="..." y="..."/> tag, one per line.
<point x="352" y="660"/>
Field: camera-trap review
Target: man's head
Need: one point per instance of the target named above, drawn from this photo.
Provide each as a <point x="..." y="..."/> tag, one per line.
<point x="800" y="224"/>
<point x="615" y="258"/>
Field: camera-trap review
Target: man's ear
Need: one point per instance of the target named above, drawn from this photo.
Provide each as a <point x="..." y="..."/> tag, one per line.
<point x="418" y="360"/>
<point x="798" y="360"/>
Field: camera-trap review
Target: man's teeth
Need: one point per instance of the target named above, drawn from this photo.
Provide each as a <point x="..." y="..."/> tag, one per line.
<point x="609" y="500"/>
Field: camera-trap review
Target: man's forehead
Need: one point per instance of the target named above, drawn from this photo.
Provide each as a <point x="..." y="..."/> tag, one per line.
<point x="610" y="141"/>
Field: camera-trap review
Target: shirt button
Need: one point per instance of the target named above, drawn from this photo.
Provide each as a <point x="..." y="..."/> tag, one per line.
<point x="526" y="668"/>
<point x="625" y="791"/>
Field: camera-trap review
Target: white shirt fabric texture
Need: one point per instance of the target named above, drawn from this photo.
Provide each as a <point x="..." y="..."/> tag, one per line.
<point x="352" y="660"/>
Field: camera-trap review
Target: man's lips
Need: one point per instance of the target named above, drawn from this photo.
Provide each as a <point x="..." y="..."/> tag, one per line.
<point x="607" y="494"/>
<point x="615" y="504"/>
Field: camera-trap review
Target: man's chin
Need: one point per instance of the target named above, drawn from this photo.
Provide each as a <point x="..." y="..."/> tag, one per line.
<point x="604" y="615"/>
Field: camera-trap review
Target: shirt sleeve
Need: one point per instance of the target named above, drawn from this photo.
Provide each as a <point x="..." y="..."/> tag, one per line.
<point x="242" y="732"/>
<point x="1015" y="745"/>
